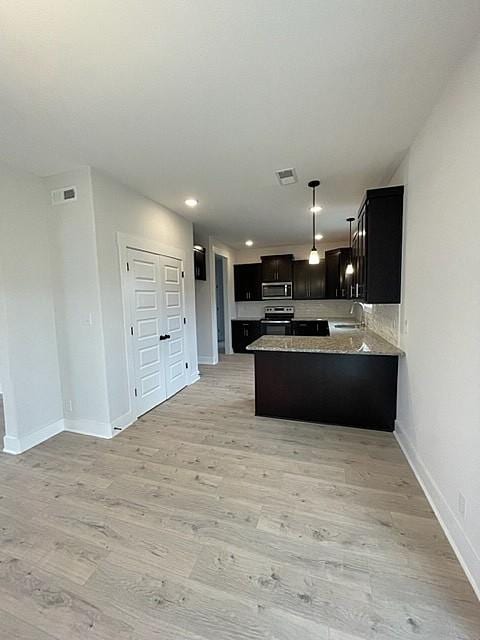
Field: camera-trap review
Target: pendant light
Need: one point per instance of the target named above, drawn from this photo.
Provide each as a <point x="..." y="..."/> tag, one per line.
<point x="314" y="257"/>
<point x="349" y="269"/>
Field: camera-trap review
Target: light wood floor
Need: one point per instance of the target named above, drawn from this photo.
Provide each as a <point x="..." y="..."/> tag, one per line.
<point x="202" y="522"/>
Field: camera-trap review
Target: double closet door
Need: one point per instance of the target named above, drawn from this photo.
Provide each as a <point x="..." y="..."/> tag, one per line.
<point x="157" y="329"/>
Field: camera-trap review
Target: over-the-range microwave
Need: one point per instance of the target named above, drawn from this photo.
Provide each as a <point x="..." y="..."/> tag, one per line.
<point x="277" y="291"/>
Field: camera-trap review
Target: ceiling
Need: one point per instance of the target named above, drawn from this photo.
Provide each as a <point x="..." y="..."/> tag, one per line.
<point x="207" y="98"/>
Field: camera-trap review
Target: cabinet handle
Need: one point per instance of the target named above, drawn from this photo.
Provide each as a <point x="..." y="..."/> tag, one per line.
<point x="336" y="293"/>
<point x="356" y="290"/>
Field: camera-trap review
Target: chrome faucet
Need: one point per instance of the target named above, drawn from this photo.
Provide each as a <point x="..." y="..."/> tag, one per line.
<point x="363" y="324"/>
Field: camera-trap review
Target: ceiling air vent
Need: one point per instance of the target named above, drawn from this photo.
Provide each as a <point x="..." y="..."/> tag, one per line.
<point x="61" y="196"/>
<point x="286" y="176"/>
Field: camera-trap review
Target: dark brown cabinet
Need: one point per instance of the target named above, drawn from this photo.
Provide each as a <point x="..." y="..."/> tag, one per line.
<point x="308" y="280"/>
<point x="377" y="247"/>
<point x="200" y="262"/>
<point x="337" y="283"/>
<point x="244" y="332"/>
<point x="310" y="328"/>
<point x="277" y="268"/>
<point x="248" y="283"/>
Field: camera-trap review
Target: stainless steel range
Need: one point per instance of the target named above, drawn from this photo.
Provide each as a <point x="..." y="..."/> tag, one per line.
<point x="277" y="321"/>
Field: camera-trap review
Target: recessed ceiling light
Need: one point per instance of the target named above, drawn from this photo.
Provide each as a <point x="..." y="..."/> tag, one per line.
<point x="318" y="236"/>
<point x="249" y="243"/>
<point x="315" y="209"/>
<point x="191" y="202"/>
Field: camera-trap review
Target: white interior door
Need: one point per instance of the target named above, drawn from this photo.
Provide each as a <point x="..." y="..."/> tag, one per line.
<point x="146" y="300"/>
<point x="174" y="344"/>
<point x="157" y="331"/>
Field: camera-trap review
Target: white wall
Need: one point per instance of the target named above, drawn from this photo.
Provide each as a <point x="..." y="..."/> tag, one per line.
<point x="119" y="209"/>
<point x="439" y="381"/>
<point x="29" y="367"/>
<point x="77" y="305"/>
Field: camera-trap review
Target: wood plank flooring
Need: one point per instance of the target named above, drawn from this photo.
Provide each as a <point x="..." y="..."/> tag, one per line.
<point x="202" y="522"/>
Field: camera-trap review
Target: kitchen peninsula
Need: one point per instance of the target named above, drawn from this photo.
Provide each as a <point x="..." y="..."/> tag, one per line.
<point x="348" y="378"/>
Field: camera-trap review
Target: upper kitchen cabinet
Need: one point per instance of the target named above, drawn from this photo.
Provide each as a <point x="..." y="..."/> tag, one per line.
<point x="199" y="262"/>
<point x="277" y="268"/>
<point x="377" y="247"/>
<point x="248" y="282"/>
<point x="337" y="284"/>
<point x="308" y="280"/>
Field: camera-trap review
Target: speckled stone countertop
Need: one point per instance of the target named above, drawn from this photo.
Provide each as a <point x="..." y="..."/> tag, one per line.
<point x="354" y="342"/>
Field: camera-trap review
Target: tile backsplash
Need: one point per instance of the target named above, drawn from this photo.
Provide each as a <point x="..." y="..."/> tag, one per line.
<point x="384" y="319"/>
<point x="303" y="308"/>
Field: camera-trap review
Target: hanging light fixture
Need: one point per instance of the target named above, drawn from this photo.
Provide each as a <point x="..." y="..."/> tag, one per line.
<point x="314" y="257"/>
<point x="349" y="269"/>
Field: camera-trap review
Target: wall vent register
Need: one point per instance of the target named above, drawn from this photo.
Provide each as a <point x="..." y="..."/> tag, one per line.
<point x="286" y="176"/>
<point x="64" y="195"/>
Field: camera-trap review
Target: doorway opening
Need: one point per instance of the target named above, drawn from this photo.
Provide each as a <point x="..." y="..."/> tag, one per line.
<point x="220" y="271"/>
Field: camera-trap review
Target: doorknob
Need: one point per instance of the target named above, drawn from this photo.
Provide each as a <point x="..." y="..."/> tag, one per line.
<point x="165" y="337"/>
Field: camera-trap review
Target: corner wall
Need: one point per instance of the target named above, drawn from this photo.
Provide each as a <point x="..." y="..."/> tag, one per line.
<point x="439" y="390"/>
<point x="29" y="367"/>
<point x="77" y="307"/>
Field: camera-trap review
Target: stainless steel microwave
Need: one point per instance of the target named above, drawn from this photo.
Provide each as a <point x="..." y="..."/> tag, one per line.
<point x="277" y="291"/>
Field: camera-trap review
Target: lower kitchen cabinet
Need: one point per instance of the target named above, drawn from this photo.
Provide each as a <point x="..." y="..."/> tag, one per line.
<point x="244" y="332"/>
<point x="310" y="328"/>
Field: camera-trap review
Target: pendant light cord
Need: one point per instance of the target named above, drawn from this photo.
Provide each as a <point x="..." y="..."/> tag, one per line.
<point x="313" y="207"/>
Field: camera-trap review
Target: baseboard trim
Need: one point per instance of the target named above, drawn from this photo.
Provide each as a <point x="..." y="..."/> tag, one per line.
<point x="15" y="445"/>
<point x="194" y="378"/>
<point x="89" y="427"/>
<point x="206" y="360"/>
<point x="461" y="545"/>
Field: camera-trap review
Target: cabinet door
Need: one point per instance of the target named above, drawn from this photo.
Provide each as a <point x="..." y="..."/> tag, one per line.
<point x="269" y="269"/>
<point x="316" y="280"/>
<point x="332" y="271"/>
<point x="301" y="280"/>
<point x="284" y="268"/>
<point x="383" y="246"/>
<point x="247" y="282"/>
<point x="308" y="280"/>
<point x="200" y="263"/>
<point x="244" y="332"/>
<point x="238" y="337"/>
<point x="277" y="268"/>
<point x="240" y="279"/>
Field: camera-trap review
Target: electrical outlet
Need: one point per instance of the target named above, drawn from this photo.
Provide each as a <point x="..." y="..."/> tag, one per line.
<point x="462" y="504"/>
<point x="405" y="326"/>
<point x="68" y="406"/>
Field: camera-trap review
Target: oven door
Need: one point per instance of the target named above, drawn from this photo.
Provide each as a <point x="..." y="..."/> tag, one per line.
<point x="276" y="327"/>
<point x="277" y="291"/>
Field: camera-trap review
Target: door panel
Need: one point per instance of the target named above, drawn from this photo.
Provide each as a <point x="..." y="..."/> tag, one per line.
<point x="174" y="347"/>
<point x="145" y="299"/>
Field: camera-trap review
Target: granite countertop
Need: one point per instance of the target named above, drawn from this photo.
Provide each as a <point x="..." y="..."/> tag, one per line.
<point x="347" y="320"/>
<point x="353" y="341"/>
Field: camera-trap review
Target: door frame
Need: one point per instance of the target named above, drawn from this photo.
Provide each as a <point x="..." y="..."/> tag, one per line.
<point x="126" y="241"/>
<point x="227" y="291"/>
